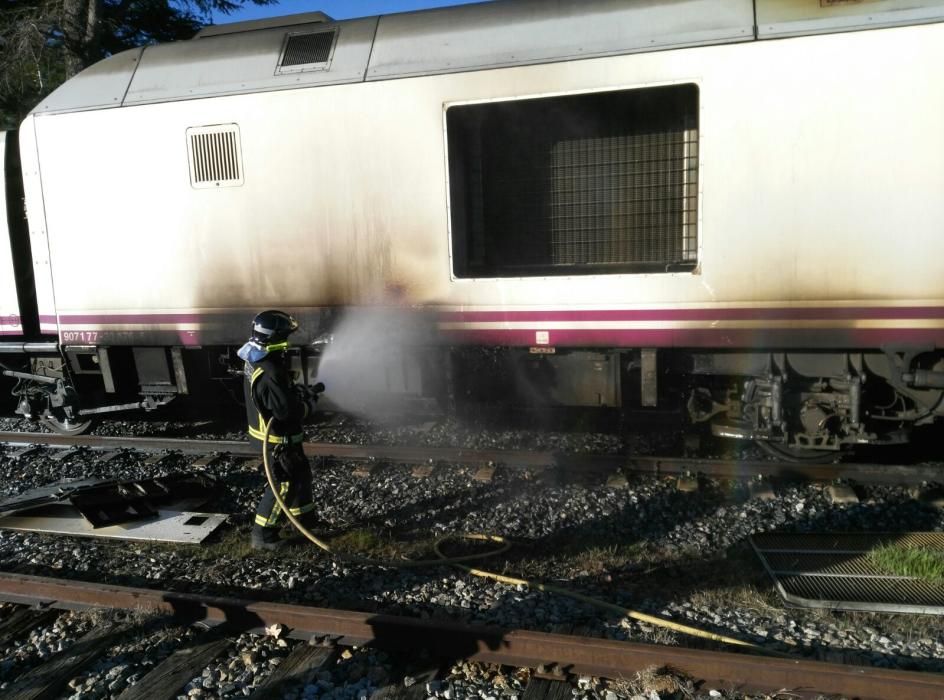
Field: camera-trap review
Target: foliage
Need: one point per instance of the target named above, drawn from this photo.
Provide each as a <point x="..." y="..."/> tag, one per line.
<point x="920" y="562"/>
<point x="44" y="42"/>
<point x="30" y="65"/>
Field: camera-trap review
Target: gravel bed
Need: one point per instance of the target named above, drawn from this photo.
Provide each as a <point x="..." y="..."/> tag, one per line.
<point x="42" y="643"/>
<point x="647" y="546"/>
<point x="445" y="432"/>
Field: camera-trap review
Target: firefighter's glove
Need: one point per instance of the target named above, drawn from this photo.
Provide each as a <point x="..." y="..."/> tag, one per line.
<point x="309" y="395"/>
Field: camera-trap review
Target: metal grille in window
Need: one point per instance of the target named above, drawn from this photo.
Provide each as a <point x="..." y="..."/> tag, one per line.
<point x="215" y="158"/>
<point x="307" y="51"/>
<point x="596" y="183"/>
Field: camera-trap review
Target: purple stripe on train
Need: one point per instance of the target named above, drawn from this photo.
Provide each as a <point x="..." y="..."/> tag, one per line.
<point x="705" y="337"/>
<point x="539" y="316"/>
<point x="708" y="314"/>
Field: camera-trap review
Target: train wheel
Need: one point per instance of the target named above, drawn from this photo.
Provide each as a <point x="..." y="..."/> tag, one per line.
<point x="798" y="454"/>
<point x="66" y="426"/>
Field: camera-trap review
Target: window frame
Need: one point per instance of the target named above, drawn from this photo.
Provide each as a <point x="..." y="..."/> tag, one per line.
<point x="687" y="269"/>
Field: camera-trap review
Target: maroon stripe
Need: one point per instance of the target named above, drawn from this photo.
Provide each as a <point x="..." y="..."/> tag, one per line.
<point x="719" y="313"/>
<point x="718" y="338"/>
<point x="709" y="314"/>
<point x="131" y="318"/>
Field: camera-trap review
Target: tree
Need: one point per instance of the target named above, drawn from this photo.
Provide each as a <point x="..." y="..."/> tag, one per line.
<point x="45" y="42"/>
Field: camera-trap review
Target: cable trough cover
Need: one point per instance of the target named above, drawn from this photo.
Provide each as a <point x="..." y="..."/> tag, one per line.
<point x="155" y="509"/>
<point x="835" y="571"/>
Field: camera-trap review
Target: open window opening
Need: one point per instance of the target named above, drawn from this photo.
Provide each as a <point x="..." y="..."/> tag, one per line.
<point x="580" y="184"/>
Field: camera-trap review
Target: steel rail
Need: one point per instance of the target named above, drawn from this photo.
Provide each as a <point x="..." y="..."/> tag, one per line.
<point x="643" y="464"/>
<point x="570" y="654"/>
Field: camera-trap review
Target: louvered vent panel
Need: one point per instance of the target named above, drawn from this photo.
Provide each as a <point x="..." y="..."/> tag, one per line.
<point x="215" y="158"/>
<point x="307" y="50"/>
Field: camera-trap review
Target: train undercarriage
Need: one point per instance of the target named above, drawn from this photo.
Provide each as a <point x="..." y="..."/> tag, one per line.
<point x="804" y="406"/>
<point x="817" y="405"/>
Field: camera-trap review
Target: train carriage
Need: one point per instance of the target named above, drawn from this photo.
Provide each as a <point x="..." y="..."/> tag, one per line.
<point x="727" y="205"/>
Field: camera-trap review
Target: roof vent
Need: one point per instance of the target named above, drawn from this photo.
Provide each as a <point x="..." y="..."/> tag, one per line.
<point x="215" y="156"/>
<point x="257" y="24"/>
<point x="306" y="51"/>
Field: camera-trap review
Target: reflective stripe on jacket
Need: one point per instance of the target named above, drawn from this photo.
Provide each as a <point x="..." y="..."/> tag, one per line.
<point x="269" y="394"/>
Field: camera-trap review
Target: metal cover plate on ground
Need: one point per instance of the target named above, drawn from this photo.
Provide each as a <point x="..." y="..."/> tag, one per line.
<point x="834" y="571"/>
<point x="168" y="526"/>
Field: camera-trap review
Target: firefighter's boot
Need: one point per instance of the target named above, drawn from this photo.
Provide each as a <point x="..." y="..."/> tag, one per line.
<point x="266" y="538"/>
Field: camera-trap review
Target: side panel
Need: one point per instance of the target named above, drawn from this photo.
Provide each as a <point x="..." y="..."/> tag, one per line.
<point x="244" y="63"/>
<point x="36" y="214"/>
<point x="483" y="35"/>
<point x="100" y="86"/>
<point x="780" y="18"/>
<point x="819" y="206"/>
<point x="10" y="323"/>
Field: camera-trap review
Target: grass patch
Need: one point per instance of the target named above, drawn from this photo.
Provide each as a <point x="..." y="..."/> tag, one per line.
<point x="379" y="546"/>
<point x="230" y="543"/>
<point x="571" y="559"/>
<point x="654" y="680"/>
<point x="742" y="595"/>
<point x="359" y="541"/>
<point x="919" y="562"/>
<point x="600" y="560"/>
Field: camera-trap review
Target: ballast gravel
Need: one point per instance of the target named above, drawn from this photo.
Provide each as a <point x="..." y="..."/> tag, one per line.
<point x="574" y="527"/>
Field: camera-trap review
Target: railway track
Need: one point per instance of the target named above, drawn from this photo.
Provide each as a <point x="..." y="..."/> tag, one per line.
<point x="503" y="646"/>
<point x="587" y="463"/>
<point x="558" y="657"/>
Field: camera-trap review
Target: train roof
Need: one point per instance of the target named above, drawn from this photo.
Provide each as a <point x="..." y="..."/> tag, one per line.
<point x="311" y="49"/>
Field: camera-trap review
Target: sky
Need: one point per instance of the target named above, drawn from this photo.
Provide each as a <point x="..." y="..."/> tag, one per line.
<point x="336" y="9"/>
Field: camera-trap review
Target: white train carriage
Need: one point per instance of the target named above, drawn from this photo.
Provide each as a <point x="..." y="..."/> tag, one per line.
<point x="747" y="192"/>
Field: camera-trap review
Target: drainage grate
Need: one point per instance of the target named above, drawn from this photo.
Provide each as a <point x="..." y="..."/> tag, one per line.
<point x="835" y="572"/>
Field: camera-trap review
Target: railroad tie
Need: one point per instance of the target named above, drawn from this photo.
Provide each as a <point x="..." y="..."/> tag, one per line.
<point x="302" y="661"/>
<point x="841" y="493"/>
<point x="410" y="683"/>
<point x="761" y="490"/>
<point x="49" y="680"/>
<point x="362" y="471"/>
<point x="25" y="452"/>
<point x="422" y="471"/>
<point x="545" y="689"/>
<point x="932" y="496"/>
<point x="156" y="459"/>
<point x="688" y="483"/>
<point x="484" y="474"/>
<point x="206" y="460"/>
<point x="64" y="454"/>
<point x="165" y="680"/>
<point x="23" y="620"/>
<point x="617" y="481"/>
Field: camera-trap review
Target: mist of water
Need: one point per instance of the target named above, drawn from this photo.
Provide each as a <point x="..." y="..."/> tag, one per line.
<point x="373" y="365"/>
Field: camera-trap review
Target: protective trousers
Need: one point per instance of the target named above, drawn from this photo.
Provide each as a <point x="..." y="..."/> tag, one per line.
<point x="291" y="472"/>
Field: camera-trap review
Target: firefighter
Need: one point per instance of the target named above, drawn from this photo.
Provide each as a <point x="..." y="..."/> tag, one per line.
<point x="271" y="393"/>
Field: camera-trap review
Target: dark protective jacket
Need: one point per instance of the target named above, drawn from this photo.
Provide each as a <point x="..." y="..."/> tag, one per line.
<point x="269" y="393"/>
